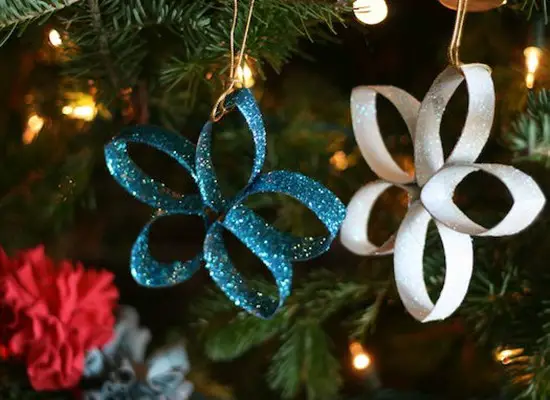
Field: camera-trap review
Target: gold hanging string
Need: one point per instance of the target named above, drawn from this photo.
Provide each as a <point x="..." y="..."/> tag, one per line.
<point x="219" y="109"/>
<point x="454" y="48"/>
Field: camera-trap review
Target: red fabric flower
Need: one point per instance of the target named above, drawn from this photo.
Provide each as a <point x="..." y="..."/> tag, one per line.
<point x="61" y="311"/>
<point x="7" y="265"/>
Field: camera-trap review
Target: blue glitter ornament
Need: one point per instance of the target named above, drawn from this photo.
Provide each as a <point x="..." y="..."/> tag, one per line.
<point x="275" y="249"/>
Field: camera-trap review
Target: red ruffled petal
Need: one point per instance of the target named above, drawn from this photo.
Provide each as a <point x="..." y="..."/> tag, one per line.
<point x="60" y="311"/>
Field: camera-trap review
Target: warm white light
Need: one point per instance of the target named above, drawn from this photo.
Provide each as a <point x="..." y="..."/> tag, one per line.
<point x="532" y="61"/>
<point x="55" y="38"/>
<point x="244" y="76"/>
<point x="507" y="356"/>
<point x="532" y="58"/>
<point x="360" y="359"/>
<point x="35" y="123"/>
<point x="67" y="110"/>
<point x="86" y="113"/>
<point x="530" y="80"/>
<point x="340" y="160"/>
<point x="370" y="12"/>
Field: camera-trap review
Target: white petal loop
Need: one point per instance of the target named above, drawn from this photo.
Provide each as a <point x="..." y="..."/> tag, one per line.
<point x="437" y="197"/>
<point x="354" y="231"/>
<point x="408" y="264"/>
<point x="428" y="152"/>
<point x="367" y="131"/>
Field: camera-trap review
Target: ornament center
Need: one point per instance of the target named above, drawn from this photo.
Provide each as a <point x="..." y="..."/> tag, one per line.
<point x="213" y="216"/>
<point x="413" y="191"/>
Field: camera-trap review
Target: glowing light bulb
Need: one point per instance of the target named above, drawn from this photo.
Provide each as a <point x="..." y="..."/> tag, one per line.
<point x="244" y="76"/>
<point x="55" y="38"/>
<point x="507" y="356"/>
<point x="360" y="359"/>
<point x="340" y="160"/>
<point x="370" y="12"/>
<point x="87" y="113"/>
<point x="35" y="123"/>
<point x="532" y="58"/>
<point x="529" y="80"/>
<point x="84" y="108"/>
<point x="532" y="61"/>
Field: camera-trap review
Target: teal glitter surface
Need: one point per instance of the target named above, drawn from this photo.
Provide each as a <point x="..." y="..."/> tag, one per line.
<point x="275" y="249"/>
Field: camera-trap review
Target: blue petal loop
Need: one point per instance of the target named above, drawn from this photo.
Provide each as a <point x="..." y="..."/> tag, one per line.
<point x="225" y="275"/>
<point x="275" y="249"/>
<point x="206" y="176"/>
<point x="310" y="193"/>
<point x="144" y="268"/>
<point x="207" y="180"/>
<point x="152" y="273"/>
<point x="143" y="187"/>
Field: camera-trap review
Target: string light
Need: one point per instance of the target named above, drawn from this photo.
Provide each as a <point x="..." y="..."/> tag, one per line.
<point x="55" y="38"/>
<point x="244" y="76"/>
<point x="370" y="12"/>
<point x="360" y="359"/>
<point x="35" y="123"/>
<point x="339" y="160"/>
<point x="67" y="110"/>
<point x="532" y="61"/>
<point x="86" y="113"/>
<point x="81" y="106"/>
<point x="507" y="356"/>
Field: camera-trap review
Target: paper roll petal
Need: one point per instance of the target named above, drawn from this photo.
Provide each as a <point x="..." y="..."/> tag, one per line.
<point x="367" y="131"/>
<point x="140" y="185"/>
<point x="428" y="152"/>
<point x="206" y="177"/>
<point x="437" y="197"/>
<point x="354" y="232"/>
<point x="231" y="282"/>
<point x="147" y="271"/>
<point x="409" y="266"/>
<point x="314" y="197"/>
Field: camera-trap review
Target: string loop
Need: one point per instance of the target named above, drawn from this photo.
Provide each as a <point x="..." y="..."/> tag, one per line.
<point x="454" y="48"/>
<point x="219" y="109"/>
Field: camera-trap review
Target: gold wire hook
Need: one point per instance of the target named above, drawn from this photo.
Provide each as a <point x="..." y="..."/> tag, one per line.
<point x="454" y="48"/>
<point x="219" y="109"/>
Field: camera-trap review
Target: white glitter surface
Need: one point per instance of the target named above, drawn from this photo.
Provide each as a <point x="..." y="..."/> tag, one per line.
<point x="436" y="180"/>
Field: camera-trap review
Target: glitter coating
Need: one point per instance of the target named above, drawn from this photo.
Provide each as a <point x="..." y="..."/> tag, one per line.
<point x="435" y="179"/>
<point x="277" y="250"/>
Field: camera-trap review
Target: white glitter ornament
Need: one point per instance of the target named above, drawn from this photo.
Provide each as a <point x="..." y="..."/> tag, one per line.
<point x="432" y="188"/>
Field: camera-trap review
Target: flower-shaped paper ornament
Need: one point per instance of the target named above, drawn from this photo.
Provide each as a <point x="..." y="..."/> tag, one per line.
<point x="431" y="189"/>
<point x="275" y="249"/>
<point x="127" y="373"/>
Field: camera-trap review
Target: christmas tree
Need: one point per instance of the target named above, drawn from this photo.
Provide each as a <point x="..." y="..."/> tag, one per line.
<point x="78" y="75"/>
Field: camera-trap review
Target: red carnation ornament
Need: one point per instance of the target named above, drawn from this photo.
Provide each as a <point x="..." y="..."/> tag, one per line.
<point x="61" y="311"/>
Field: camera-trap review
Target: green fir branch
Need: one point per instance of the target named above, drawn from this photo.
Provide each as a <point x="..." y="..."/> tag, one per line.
<point x="529" y="137"/>
<point x="179" y="43"/>
<point x="285" y="371"/>
<point x="14" y="12"/>
<point x="303" y="359"/>
<point x="241" y="334"/>
<point x="305" y="354"/>
<point x="530" y="7"/>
